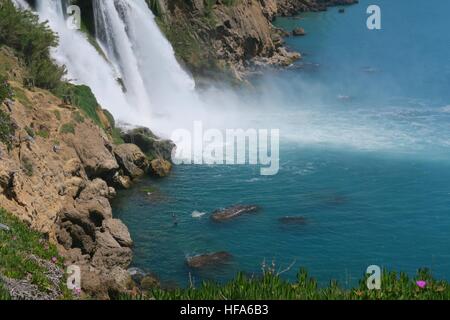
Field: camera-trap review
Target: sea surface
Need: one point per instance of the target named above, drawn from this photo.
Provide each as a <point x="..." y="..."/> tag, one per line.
<point x="364" y="158"/>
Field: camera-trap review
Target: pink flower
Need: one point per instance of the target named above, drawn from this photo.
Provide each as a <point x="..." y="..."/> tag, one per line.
<point x="77" y="291"/>
<point x="54" y="259"/>
<point x="421" y="284"/>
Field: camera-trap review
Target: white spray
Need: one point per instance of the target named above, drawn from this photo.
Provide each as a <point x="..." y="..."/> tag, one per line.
<point x="140" y="76"/>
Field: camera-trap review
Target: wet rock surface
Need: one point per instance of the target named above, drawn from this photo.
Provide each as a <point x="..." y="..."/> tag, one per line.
<point x="233" y="212"/>
<point x="298" y="32"/>
<point x="209" y="259"/>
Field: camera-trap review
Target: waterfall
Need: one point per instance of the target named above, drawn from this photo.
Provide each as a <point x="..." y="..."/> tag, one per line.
<point x="21" y="4"/>
<point x="133" y="42"/>
<point x="137" y="76"/>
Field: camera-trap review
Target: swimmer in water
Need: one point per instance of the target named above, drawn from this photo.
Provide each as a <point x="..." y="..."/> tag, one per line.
<point x="175" y="220"/>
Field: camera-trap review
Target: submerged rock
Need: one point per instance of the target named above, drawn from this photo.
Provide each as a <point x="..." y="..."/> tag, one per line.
<point x="293" y="220"/>
<point x="232" y="212"/>
<point x="210" y="259"/>
<point x="299" y="32"/>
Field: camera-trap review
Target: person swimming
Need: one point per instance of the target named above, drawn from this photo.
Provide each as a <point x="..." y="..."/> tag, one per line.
<point x="175" y="219"/>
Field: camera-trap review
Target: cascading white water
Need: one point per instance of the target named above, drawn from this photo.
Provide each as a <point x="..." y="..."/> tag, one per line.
<point x="133" y="41"/>
<point x="21" y="4"/>
<point x="140" y="76"/>
<point x="85" y="65"/>
<point x="115" y="42"/>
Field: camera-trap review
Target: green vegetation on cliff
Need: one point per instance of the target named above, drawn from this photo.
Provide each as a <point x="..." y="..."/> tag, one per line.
<point x="6" y="125"/>
<point x="32" y="40"/>
<point x="273" y="287"/>
<point x="26" y="255"/>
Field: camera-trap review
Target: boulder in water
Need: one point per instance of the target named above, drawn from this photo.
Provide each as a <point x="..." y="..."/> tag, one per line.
<point x="210" y="259"/>
<point x="160" y="167"/>
<point x="299" y="32"/>
<point x="232" y="212"/>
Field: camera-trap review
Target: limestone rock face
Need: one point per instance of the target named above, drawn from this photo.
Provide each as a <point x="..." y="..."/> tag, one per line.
<point x="292" y="7"/>
<point x="160" y="167"/>
<point x="149" y="143"/>
<point x="60" y="184"/>
<point x="118" y="231"/>
<point x="121" y="181"/>
<point x="235" y="38"/>
<point x="94" y="153"/>
<point x="131" y="159"/>
<point x="237" y="34"/>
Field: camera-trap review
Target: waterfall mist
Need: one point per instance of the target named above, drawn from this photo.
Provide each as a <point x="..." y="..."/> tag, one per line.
<point x="133" y="72"/>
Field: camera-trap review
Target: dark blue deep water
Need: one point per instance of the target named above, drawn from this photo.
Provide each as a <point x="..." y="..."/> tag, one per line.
<point x="365" y="158"/>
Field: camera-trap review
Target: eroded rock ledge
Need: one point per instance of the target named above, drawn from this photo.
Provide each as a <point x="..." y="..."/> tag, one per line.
<point x="59" y="176"/>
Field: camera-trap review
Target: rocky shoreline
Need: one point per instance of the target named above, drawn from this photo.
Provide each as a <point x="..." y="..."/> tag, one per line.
<point x="232" y="40"/>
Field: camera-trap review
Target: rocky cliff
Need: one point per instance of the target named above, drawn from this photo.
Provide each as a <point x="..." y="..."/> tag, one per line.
<point x="231" y="37"/>
<point x="58" y="170"/>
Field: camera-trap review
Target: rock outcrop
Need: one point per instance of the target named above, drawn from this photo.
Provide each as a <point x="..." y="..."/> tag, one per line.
<point x="157" y="151"/>
<point x="220" y="37"/>
<point x="59" y="175"/>
<point x="232" y="38"/>
<point x="153" y="146"/>
<point x="208" y="260"/>
<point x="232" y="212"/>
<point x="131" y="159"/>
<point x="292" y="7"/>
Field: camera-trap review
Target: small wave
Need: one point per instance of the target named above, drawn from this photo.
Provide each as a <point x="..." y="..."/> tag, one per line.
<point x="197" y="214"/>
<point x="446" y="109"/>
<point x="252" y="180"/>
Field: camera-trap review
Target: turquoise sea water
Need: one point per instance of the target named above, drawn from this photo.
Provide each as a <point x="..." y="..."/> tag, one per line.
<point x="365" y="158"/>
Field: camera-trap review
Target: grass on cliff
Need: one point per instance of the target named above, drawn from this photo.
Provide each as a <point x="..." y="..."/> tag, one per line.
<point x="272" y="287"/>
<point x="16" y="247"/>
<point x="82" y="97"/>
<point x="6" y="125"/>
